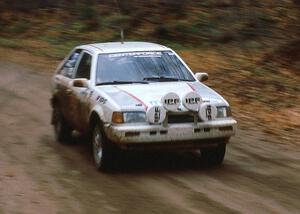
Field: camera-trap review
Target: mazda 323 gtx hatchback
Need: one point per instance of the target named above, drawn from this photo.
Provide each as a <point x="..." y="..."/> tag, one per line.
<point x="138" y="96"/>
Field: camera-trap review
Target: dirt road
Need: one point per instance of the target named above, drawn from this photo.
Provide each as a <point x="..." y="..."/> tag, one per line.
<point x="38" y="175"/>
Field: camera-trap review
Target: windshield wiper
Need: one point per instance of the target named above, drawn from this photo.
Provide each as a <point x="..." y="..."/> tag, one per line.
<point x="121" y="82"/>
<point x="165" y="78"/>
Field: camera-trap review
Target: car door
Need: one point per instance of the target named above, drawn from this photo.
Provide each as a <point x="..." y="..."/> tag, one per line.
<point x="82" y="94"/>
<point x="62" y="83"/>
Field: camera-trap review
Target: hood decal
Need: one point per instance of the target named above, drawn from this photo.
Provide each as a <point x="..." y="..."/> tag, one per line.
<point x="134" y="97"/>
<point x="192" y="87"/>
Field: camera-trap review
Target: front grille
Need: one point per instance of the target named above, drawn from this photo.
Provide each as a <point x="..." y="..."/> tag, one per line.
<point x="180" y="118"/>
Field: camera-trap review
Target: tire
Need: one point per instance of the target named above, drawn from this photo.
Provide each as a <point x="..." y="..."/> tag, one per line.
<point x="214" y="156"/>
<point x="102" y="149"/>
<point x="62" y="130"/>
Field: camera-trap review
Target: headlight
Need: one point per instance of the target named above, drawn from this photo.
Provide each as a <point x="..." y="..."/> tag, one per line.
<point x="223" y="111"/>
<point x="134" y="117"/>
<point x="128" y="117"/>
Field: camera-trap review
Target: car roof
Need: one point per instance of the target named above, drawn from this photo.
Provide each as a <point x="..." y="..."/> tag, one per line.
<point x="117" y="47"/>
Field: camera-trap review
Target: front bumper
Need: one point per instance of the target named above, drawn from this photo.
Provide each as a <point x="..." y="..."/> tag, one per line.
<point x="189" y="134"/>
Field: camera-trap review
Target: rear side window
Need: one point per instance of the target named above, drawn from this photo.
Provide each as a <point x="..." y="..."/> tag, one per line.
<point x="68" y="68"/>
<point x="84" y="67"/>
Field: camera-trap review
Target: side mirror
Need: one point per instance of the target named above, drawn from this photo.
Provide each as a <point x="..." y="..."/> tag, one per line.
<point x="201" y="76"/>
<point x="80" y="83"/>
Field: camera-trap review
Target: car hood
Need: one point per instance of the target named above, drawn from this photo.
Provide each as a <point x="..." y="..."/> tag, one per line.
<point x="145" y="95"/>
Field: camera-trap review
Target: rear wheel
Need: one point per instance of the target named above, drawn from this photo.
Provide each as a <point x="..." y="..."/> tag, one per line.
<point x="62" y="129"/>
<point x="214" y="156"/>
<point x="102" y="149"/>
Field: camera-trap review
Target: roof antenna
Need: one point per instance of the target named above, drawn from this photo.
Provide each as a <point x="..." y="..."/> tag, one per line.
<point x="122" y="36"/>
<point x="121" y="28"/>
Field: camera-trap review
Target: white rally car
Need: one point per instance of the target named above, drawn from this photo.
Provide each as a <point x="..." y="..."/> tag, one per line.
<point x="138" y="96"/>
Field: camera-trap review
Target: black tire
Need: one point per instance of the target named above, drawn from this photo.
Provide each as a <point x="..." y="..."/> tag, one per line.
<point x="62" y="130"/>
<point x="102" y="149"/>
<point x="214" y="156"/>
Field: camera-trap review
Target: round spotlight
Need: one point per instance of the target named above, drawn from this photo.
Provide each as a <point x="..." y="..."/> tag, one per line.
<point x="171" y="101"/>
<point x="207" y="112"/>
<point x="156" y="114"/>
<point x="192" y="101"/>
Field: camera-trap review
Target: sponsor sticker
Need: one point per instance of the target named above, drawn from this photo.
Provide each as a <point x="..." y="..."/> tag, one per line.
<point x="101" y="100"/>
<point x="137" y="54"/>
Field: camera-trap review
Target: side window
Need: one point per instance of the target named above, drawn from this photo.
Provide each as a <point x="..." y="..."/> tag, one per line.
<point x="68" y="68"/>
<point x="84" y="67"/>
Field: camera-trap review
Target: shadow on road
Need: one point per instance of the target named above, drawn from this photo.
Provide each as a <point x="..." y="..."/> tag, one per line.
<point x="78" y="153"/>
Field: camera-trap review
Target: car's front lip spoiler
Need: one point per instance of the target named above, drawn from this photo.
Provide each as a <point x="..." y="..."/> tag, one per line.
<point x="147" y="134"/>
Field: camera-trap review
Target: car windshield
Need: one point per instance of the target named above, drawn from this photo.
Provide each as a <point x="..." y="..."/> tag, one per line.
<point x="141" y="67"/>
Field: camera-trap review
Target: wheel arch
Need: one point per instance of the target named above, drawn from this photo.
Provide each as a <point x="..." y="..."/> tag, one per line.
<point x="94" y="119"/>
<point x="96" y="116"/>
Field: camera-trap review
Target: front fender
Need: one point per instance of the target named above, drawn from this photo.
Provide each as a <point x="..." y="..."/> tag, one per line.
<point x="99" y="111"/>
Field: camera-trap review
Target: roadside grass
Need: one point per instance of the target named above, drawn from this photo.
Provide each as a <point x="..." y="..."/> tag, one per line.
<point x="20" y="56"/>
<point x="8" y="43"/>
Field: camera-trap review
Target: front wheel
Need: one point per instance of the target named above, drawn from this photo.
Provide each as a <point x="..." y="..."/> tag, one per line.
<point x="102" y="149"/>
<point x="214" y="156"/>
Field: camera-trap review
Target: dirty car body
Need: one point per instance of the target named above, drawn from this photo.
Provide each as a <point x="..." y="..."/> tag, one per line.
<point x="140" y="96"/>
